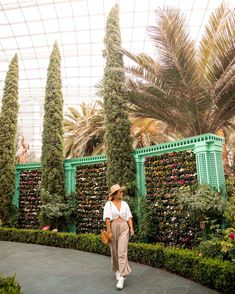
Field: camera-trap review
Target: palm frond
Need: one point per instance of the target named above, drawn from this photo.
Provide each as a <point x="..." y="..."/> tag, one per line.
<point x="175" y="50"/>
<point x="217" y="51"/>
<point x="145" y="61"/>
<point x="100" y="88"/>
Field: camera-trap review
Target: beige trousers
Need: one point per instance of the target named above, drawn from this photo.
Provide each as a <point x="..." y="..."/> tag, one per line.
<point x="119" y="247"/>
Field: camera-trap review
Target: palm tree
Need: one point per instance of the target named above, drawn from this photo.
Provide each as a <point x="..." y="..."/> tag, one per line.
<point x="190" y="89"/>
<point x="149" y="131"/>
<point x="84" y="131"/>
<point x="230" y="148"/>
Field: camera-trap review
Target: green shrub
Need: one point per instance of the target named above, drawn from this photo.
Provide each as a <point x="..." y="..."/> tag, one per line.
<point x="9" y="285"/>
<point x="221" y="246"/>
<point x="211" y="248"/>
<point x="205" y="208"/>
<point x="180" y="261"/>
<point x="213" y="273"/>
<point x="148" y="222"/>
<point x="149" y="254"/>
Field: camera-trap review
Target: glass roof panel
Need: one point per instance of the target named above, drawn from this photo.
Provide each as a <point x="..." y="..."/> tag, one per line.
<point x="30" y="28"/>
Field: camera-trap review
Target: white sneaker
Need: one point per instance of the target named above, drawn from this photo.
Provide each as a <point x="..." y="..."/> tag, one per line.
<point x="120" y="283"/>
<point x="118" y="275"/>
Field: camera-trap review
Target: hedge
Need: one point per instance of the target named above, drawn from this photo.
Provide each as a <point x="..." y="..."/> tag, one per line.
<point x="213" y="273"/>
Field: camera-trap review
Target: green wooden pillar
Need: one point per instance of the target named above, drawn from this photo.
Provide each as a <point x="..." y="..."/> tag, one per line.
<point x="210" y="165"/>
<point x="216" y="165"/>
<point x="140" y="182"/>
<point x="16" y="197"/>
<point x="68" y="177"/>
<point x="70" y="187"/>
<point x="73" y="178"/>
<point x="201" y="151"/>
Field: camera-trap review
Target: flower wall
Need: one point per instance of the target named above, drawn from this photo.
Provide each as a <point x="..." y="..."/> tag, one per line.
<point x="29" y="199"/>
<point x="92" y="191"/>
<point x="165" y="174"/>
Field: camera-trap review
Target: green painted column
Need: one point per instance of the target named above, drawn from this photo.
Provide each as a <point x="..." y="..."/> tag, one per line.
<point x="210" y="165"/>
<point x="16" y="197"/>
<point x="68" y="177"/>
<point x="201" y="150"/>
<point x="216" y="166"/>
<point x="73" y="178"/>
<point x="69" y="187"/>
<point x="140" y="182"/>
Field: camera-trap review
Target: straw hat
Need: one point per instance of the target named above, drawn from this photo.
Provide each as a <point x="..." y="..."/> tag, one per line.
<point x="115" y="188"/>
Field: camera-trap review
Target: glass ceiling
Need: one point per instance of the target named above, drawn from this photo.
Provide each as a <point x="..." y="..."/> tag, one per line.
<point x="30" y="28"/>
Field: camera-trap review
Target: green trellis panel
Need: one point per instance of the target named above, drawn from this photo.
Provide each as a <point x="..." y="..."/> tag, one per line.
<point x="207" y="149"/>
<point x="70" y="169"/>
<point x="19" y="168"/>
<point x="70" y="166"/>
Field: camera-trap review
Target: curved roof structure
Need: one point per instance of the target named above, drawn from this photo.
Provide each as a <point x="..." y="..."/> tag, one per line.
<point x="30" y="28"/>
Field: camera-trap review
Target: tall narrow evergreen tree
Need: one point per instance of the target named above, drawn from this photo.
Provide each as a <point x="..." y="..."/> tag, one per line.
<point x="117" y="126"/>
<point x="8" y="128"/>
<point x="52" y="138"/>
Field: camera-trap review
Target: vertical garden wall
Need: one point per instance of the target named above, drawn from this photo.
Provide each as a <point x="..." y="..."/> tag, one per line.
<point x="87" y="178"/>
<point x="27" y="194"/>
<point x="161" y="169"/>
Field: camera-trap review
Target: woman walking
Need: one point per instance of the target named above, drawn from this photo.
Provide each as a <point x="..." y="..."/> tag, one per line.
<point x="119" y="225"/>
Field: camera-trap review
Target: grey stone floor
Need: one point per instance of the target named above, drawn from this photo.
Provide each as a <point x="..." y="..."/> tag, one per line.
<point x="50" y="270"/>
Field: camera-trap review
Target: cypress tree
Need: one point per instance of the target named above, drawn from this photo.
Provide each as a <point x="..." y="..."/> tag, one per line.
<point x="120" y="165"/>
<point x="52" y="159"/>
<point x="8" y="129"/>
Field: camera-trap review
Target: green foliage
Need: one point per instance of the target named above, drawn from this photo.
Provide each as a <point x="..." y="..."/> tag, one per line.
<point x="196" y="214"/>
<point x="230" y="207"/>
<point x="165" y="175"/>
<point x="211" y="248"/>
<point x="205" y="209"/>
<point x="221" y="246"/>
<point x="117" y="126"/>
<point x="52" y="136"/>
<point x="52" y="144"/>
<point x="228" y="244"/>
<point x="213" y="273"/>
<point x="203" y="202"/>
<point x="188" y="87"/>
<point x="148" y="222"/>
<point x="71" y="210"/>
<point x="9" y="285"/>
<point x="8" y="130"/>
<point x="56" y="211"/>
<point x="148" y="254"/>
<point x="133" y="207"/>
<point x="180" y="261"/>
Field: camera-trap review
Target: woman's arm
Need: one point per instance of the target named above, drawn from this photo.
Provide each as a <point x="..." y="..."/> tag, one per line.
<point x="130" y="224"/>
<point x="108" y="226"/>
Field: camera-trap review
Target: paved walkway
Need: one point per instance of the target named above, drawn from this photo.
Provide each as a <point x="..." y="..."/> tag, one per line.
<point x="49" y="270"/>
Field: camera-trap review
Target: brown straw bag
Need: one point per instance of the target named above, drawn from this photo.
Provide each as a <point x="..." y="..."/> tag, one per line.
<point x="105" y="237"/>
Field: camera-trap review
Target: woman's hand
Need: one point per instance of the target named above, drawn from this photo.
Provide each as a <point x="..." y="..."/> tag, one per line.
<point x="110" y="234"/>
<point x="132" y="232"/>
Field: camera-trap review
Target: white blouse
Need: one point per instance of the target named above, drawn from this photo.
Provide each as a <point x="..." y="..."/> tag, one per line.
<point x="111" y="211"/>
